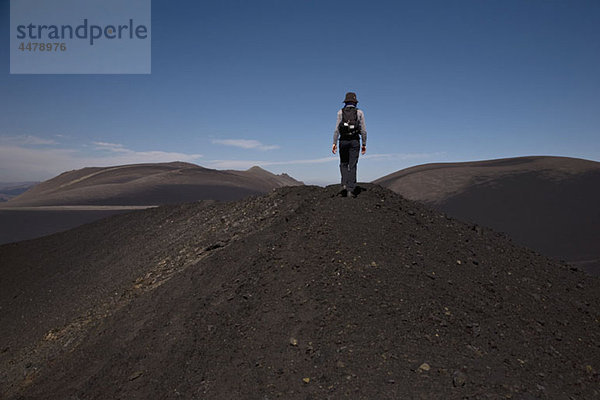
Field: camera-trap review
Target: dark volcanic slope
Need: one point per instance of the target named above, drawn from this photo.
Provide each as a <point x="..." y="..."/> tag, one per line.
<point x="149" y="184"/>
<point x="17" y="225"/>
<point x="547" y="203"/>
<point x="296" y="294"/>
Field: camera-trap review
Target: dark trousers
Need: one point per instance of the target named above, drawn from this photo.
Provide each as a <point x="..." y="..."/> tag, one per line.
<point x="349" y="150"/>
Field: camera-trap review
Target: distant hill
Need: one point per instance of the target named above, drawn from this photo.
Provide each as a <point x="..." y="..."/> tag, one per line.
<point x="77" y="197"/>
<point x="550" y="204"/>
<point x="9" y="190"/>
<point x="148" y="184"/>
<point x="283" y="296"/>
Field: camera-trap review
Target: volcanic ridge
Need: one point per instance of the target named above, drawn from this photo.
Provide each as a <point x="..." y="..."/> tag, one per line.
<point x="149" y="184"/>
<point x="295" y="294"/>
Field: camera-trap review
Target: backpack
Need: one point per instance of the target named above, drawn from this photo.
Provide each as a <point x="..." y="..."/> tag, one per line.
<point x="349" y="125"/>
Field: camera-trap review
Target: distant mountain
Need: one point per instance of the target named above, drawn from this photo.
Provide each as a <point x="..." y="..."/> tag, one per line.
<point x="283" y="296"/>
<point x="149" y="184"/>
<point x="550" y="204"/>
<point x="9" y="190"/>
<point x="82" y="196"/>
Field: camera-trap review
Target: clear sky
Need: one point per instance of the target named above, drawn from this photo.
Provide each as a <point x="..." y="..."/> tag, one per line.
<point x="242" y="83"/>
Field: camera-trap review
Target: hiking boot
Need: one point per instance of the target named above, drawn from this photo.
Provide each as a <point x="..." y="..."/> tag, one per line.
<point x="343" y="193"/>
<point x="355" y="191"/>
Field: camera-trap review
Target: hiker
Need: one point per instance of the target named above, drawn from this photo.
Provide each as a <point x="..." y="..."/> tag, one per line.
<point x="350" y="129"/>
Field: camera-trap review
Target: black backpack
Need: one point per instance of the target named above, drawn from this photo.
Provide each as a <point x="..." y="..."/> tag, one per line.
<point x="349" y="125"/>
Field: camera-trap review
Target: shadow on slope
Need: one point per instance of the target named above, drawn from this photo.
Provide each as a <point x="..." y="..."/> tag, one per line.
<point x="547" y="203"/>
<point x="565" y="222"/>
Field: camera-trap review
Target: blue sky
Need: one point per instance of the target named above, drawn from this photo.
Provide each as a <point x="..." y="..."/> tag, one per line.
<point x="242" y="83"/>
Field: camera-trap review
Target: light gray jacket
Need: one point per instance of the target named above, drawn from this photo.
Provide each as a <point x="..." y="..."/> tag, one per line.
<point x="361" y="122"/>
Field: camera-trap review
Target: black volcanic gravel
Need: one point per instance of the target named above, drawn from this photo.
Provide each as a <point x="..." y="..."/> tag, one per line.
<point x="297" y="294"/>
